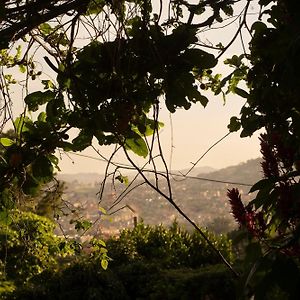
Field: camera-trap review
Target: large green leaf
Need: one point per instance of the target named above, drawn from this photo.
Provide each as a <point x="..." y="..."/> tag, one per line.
<point x="82" y="141"/>
<point x="42" y="168"/>
<point x="6" y="142"/>
<point x="137" y="144"/>
<point x="199" y="58"/>
<point x="262" y="184"/>
<point x="146" y="127"/>
<point x="35" y="99"/>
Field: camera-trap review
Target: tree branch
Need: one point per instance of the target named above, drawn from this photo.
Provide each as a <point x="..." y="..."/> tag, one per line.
<point x="37" y="17"/>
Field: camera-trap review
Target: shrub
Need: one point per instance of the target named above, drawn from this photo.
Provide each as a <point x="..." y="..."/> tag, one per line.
<point x="171" y="248"/>
<point x="82" y="279"/>
<point x="28" y="245"/>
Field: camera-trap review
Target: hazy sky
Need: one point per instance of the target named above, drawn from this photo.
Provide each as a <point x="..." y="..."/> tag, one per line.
<point x="194" y="131"/>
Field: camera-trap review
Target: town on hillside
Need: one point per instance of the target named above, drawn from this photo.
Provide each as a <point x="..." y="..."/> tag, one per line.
<point x="201" y="197"/>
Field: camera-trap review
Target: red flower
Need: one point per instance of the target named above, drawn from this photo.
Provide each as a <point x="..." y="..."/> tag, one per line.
<point x="237" y="206"/>
<point x="245" y="216"/>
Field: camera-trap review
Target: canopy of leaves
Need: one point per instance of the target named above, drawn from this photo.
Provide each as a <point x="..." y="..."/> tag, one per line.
<point x="106" y="88"/>
<point x="134" y="62"/>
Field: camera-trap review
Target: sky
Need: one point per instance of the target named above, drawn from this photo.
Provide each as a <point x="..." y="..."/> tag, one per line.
<point x="186" y="135"/>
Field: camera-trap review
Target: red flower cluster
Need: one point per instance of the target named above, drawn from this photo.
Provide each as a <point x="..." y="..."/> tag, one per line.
<point x="237" y="207"/>
<point x="246" y="216"/>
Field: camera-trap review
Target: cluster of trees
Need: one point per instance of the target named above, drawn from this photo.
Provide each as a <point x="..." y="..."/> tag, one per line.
<point x="109" y="87"/>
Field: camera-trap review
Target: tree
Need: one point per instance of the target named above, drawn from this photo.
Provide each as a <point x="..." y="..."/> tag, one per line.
<point x="272" y="217"/>
<point x="97" y="91"/>
<point x="136" y="60"/>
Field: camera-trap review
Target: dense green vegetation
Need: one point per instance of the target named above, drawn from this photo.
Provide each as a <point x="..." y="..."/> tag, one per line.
<point x="145" y="262"/>
<point x="116" y="63"/>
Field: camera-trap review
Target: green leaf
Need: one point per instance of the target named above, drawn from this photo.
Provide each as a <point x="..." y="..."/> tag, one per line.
<point x="82" y="141"/>
<point x="54" y="160"/>
<point x="258" y="27"/>
<point x="262" y="184"/>
<point x="95" y="7"/>
<point x="137" y="145"/>
<point x="195" y="96"/>
<point x="146" y="126"/>
<point x="22" y="68"/>
<point x="6" y="142"/>
<point x="101" y="243"/>
<point x="42" y="117"/>
<point x="21" y="124"/>
<point x="42" y="168"/>
<point x="122" y="179"/>
<point x="102" y="210"/>
<point x="45" y="28"/>
<point x="241" y="92"/>
<point x="202" y="99"/>
<point x="235" y="61"/>
<point x="35" y="99"/>
<point x="264" y="198"/>
<point x="82" y="224"/>
<point x="199" y="58"/>
<point x="228" y="10"/>
<point x="234" y="124"/>
<point x="48" y="84"/>
<point x="104" y="264"/>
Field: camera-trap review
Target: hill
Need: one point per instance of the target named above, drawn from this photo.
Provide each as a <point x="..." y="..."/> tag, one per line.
<point x="95" y="178"/>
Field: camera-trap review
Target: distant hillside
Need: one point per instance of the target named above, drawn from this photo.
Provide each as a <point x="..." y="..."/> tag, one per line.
<point x="203" y="200"/>
<point x="246" y="172"/>
<point x="92" y="178"/>
<point x="196" y="171"/>
<point x="81" y="178"/>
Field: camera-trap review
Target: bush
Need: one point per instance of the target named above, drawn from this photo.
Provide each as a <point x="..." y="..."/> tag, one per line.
<point x="147" y="281"/>
<point x="142" y="264"/>
<point x="81" y="280"/>
<point x="27" y="246"/>
<point x="170" y="248"/>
